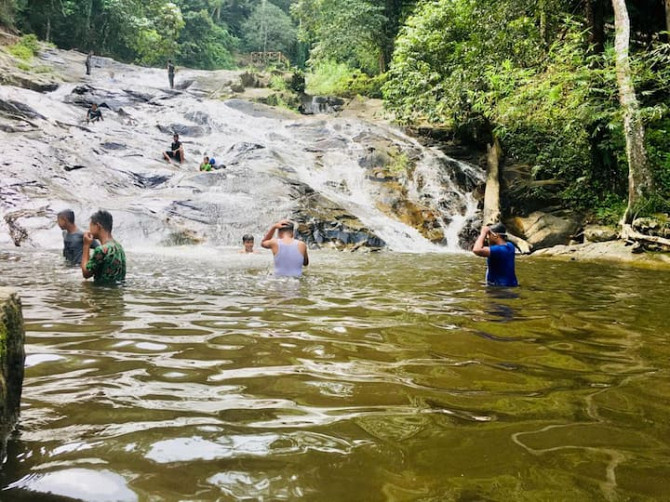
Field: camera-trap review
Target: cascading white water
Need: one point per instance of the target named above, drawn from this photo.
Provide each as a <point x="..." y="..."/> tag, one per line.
<point x="439" y="190"/>
<point x="117" y="165"/>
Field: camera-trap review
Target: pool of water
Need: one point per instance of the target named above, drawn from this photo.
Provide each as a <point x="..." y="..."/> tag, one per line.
<point x="375" y="377"/>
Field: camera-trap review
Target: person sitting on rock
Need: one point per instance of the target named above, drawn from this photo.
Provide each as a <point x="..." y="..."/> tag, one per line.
<point x="176" y="150"/>
<point x="73" y="238"/>
<point x="206" y="165"/>
<point x="94" y="114"/>
<point x="290" y="255"/>
<point x="492" y="244"/>
<point x="107" y="264"/>
<point x="248" y="243"/>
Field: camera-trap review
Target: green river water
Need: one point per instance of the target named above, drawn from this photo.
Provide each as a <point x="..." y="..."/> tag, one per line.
<point x="375" y="377"/>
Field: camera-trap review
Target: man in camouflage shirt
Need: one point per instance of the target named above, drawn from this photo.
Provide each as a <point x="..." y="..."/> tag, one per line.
<point x="107" y="263"/>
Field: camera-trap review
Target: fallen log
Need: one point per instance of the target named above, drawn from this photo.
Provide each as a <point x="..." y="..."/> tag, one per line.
<point x="629" y="234"/>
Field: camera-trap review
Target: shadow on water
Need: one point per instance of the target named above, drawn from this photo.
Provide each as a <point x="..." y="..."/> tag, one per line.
<point x="374" y="377"/>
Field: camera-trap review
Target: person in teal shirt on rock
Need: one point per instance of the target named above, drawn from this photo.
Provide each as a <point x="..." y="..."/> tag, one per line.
<point x="492" y="244"/>
<point x="107" y="264"/>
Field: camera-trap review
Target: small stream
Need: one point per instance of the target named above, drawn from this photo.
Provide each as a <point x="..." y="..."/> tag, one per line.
<point x="385" y="376"/>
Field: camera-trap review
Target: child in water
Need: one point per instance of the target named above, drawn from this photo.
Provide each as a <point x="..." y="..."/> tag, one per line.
<point x="248" y="243"/>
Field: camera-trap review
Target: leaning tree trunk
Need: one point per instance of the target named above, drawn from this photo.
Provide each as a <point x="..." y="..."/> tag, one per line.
<point x="492" y="194"/>
<point x="667" y="15"/>
<point x="639" y="176"/>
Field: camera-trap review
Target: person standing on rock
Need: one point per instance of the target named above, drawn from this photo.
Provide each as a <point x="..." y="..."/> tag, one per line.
<point x="290" y="255"/>
<point x="73" y="238"/>
<point x="89" y="62"/>
<point x="176" y="150"/>
<point x="492" y="244"/>
<point x="170" y="70"/>
<point x="107" y="264"/>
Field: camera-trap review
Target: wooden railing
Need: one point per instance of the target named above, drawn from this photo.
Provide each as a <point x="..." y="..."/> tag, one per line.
<point x="266" y="58"/>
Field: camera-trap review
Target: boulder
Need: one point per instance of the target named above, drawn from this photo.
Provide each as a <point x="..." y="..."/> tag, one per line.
<point x="12" y="358"/>
<point x="543" y="230"/>
<point x="599" y="233"/>
<point x="658" y="226"/>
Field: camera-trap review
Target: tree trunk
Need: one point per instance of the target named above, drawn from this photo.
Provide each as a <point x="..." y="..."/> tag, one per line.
<point x="492" y="193"/>
<point x="667" y="16"/>
<point x="544" y="32"/>
<point x="639" y="176"/>
<point x="595" y="18"/>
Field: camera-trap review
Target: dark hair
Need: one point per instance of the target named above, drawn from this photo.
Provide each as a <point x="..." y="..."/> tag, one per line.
<point x="104" y="219"/>
<point x="499" y="229"/>
<point x="67" y="214"/>
<point x="247" y="238"/>
<point x="286" y="227"/>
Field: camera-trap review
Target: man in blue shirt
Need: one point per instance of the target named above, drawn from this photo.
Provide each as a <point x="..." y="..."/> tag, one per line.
<point x="492" y="243"/>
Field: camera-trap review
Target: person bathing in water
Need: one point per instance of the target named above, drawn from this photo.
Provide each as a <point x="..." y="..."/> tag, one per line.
<point x="248" y="243"/>
<point x="492" y="244"/>
<point x="107" y="264"/>
<point x="73" y="238"/>
<point x="176" y="150"/>
<point x="290" y="255"/>
<point x="94" y="114"/>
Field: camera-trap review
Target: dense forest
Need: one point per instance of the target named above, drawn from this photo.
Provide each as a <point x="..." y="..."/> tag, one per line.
<point x="545" y="78"/>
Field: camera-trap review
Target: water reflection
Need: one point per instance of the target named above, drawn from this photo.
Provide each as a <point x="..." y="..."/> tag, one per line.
<point x="366" y="379"/>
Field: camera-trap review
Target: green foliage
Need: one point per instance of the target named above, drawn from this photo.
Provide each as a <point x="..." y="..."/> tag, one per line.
<point x="155" y="40"/>
<point x="343" y="31"/>
<point x="269" y="29"/>
<point x="298" y="83"/>
<point x="26" y="48"/>
<point x="338" y="79"/>
<point x="205" y="44"/>
<point x="7" y="12"/>
<point x="329" y="78"/>
<point x="610" y="210"/>
<point x="364" y="85"/>
<point x="400" y="164"/>
<point x="507" y="67"/>
<point x="278" y="83"/>
<point x="193" y="32"/>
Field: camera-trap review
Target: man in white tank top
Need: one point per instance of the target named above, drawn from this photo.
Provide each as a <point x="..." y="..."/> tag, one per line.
<point x="290" y="255"/>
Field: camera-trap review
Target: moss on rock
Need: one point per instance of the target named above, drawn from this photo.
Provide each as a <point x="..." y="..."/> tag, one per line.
<point x="12" y="359"/>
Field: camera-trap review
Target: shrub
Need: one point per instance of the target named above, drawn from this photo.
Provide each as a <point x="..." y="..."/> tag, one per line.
<point x="277" y="83"/>
<point x="329" y="78"/>
<point x="26" y="48"/>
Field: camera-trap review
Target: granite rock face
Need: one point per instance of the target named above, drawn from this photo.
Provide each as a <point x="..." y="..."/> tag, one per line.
<point x="12" y="359"/>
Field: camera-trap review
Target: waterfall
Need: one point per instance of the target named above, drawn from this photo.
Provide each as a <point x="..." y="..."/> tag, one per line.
<point x="60" y="161"/>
